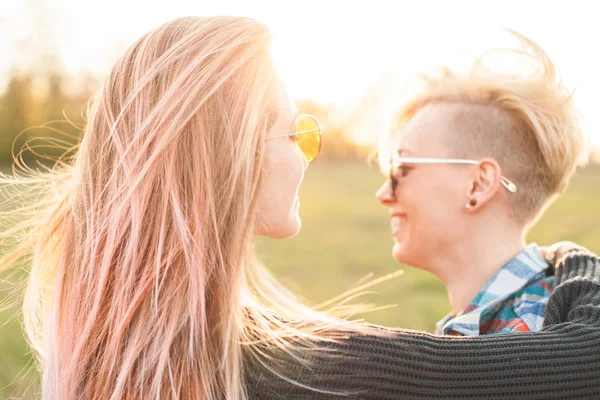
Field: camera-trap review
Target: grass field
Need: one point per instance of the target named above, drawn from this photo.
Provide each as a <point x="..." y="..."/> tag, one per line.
<point x="345" y="236"/>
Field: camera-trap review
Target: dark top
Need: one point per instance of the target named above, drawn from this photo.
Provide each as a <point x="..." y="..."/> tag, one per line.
<point x="562" y="361"/>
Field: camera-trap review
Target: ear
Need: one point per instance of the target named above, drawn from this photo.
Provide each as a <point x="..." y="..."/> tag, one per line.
<point x="485" y="183"/>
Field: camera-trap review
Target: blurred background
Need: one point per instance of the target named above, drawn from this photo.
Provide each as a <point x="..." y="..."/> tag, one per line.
<point x="337" y="59"/>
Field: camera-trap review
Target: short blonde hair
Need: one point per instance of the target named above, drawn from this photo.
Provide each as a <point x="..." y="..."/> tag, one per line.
<point x="526" y="121"/>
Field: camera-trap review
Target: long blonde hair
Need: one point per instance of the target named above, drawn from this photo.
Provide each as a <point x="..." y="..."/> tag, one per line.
<point x="143" y="282"/>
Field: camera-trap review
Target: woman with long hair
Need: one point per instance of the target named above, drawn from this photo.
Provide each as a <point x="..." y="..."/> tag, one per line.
<point x="143" y="282"/>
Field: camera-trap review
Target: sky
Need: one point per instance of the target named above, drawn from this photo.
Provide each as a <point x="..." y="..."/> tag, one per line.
<point x="327" y="50"/>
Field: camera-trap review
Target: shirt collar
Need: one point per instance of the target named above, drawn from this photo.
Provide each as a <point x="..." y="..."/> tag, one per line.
<point x="511" y="278"/>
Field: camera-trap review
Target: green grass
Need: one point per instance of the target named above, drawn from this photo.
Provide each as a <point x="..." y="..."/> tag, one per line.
<point x="345" y="236"/>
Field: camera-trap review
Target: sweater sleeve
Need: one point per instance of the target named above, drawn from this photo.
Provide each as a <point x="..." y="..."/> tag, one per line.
<point x="559" y="362"/>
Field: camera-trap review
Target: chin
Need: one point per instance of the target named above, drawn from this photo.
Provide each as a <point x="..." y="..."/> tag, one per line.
<point x="411" y="256"/>
<point x="402" y="254"/>
<point x="294" y="227"/>
<point x="287" y="230"/>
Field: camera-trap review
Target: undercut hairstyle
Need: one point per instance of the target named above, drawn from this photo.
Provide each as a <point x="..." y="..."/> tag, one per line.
<point x="526" y="121"/>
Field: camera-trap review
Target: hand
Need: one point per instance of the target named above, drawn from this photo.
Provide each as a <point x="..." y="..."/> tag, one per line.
<point x="554" y="252"/>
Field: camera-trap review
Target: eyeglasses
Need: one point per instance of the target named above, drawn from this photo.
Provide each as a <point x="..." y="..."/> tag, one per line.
<point x="396" y="163"/>
<point x="307" y="136"/>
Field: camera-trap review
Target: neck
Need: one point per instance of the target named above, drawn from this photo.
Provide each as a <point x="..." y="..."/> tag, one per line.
<point x="475" y="260"/>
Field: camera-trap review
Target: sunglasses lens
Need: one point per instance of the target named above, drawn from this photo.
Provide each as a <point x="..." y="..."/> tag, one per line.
<point x="392" y="179"/>
<point x="308" y="136"/>
<point x="394" y="171"/>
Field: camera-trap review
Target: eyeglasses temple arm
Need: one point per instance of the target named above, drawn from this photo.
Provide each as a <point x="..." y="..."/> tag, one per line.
<point x="294" y="133"/>
<point x="507" y="183"/>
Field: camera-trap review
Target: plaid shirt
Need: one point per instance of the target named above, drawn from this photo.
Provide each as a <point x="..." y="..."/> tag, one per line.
<point x="514" y="299"/>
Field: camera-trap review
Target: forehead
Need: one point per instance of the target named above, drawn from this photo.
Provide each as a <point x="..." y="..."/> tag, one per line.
<point x="285" y="112"/>
<point x="430" y="130"/>
<point x="285" y="102"/>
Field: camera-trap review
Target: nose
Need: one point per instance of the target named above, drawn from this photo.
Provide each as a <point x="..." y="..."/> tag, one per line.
<point x="384" y="194"/>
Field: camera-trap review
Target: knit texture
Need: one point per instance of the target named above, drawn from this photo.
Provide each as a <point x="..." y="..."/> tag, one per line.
<point x="562" y="361"/>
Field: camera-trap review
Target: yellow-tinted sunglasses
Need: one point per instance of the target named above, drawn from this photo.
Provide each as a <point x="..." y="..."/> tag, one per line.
<point x="308" y="136"/>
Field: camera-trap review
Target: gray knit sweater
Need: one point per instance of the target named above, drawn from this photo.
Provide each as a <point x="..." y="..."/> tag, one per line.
<point x="560" y="362"/>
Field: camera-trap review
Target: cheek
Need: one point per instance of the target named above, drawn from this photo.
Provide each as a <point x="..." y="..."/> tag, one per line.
<point x="432" y="206"/>
<point x="291" y="168"/>
<point x="298" y="172"/>
<point x="264" y="204"/>
<point x="277" y="201"/>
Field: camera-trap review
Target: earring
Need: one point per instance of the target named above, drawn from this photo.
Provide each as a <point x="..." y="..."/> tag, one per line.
<point x="471" y="203"/>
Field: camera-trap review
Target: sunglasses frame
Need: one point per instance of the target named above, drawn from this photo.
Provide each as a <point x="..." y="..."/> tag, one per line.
<point x="395" y="161"/>
<point x="318" y="129"/>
